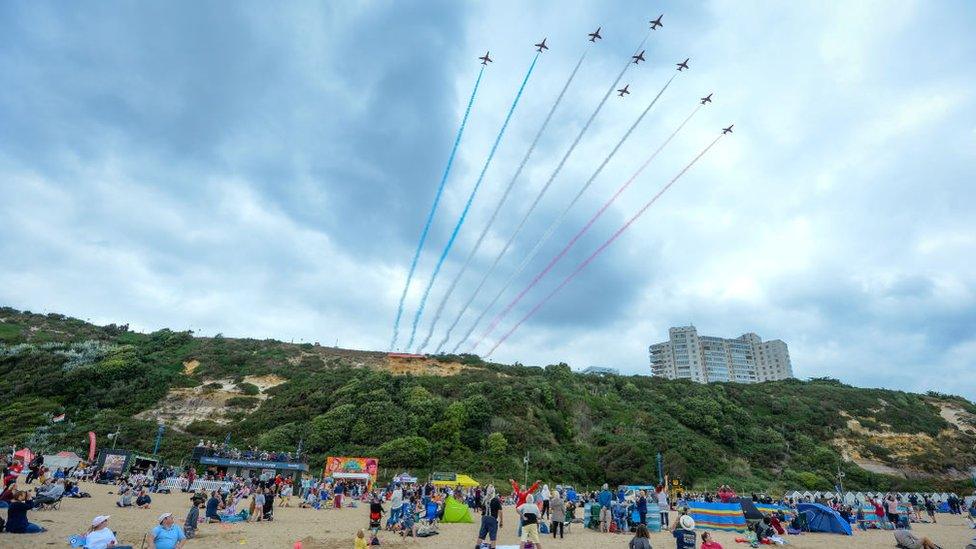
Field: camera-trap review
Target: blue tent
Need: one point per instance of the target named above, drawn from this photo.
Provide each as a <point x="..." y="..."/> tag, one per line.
<point x="824" y="519"/>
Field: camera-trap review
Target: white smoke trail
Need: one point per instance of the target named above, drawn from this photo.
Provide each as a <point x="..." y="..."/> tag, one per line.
<point x="494" y="215"/>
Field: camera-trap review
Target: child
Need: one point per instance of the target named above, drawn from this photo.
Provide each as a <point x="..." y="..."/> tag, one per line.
<point x="375" y="515"/>
<point x="360" y="539"/>
<point x="708" y="542"/>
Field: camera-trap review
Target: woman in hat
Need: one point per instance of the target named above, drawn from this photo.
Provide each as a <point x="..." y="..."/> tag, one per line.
<point x="100" y="536"/>
<point x="684" y="533"/>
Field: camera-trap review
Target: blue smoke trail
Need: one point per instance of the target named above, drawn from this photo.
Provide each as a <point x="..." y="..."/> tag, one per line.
<point x="467" y="206"/>
<point x="494" y="215"/>
<point x="538" y="198"/>
<point x="433" y="208"/>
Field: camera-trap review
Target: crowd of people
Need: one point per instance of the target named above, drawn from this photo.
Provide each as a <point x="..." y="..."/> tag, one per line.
<point x="412" y="509"/>
<point x="223" y="450"/>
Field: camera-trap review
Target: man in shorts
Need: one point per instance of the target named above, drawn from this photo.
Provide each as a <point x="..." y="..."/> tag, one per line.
<point x="530" y="523"/>
<point x="491" y="520"/>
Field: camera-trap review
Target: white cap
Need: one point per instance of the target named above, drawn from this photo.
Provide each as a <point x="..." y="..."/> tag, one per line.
<point x="687" y="522"/>
<point x="163" y="517"/>
<point x="99" y="519"/>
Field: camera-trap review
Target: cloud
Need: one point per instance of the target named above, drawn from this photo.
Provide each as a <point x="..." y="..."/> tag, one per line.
<point x="266" y="173"/>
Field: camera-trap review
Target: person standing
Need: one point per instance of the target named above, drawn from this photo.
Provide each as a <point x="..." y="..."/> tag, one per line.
<point x="684" y="533"/>
<point x="664" y="505"/>
<point x="930" y="509"/>
<point x="546" y="495"/>
<point x="530" y="523"/>
<point x="642" y="507"/>
<point x="339" y="489"/>
<point x="557" y="512"/>
<point x="892" y="510"/>
<point x="491" y="520"/>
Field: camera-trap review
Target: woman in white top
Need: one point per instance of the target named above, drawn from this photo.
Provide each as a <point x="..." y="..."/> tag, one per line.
<point x="545" y="495"/>
<point x="100" y="536"/>
<point x="662" y="502"/>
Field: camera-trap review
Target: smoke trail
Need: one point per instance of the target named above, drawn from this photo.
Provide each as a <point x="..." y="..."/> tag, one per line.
<point x="467" y="206"/>
<point x="602" y="247"/>
<point x="494" y="215"/>
<point x="559" y="220"/>
<point x="539" y="196"/>
<point x="433" y="208"/>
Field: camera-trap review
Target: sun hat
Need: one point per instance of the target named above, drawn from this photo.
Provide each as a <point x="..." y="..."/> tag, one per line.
<point x="687" y="522"/>
<point x="100" y="519"/>
<point x="163" y="517"/>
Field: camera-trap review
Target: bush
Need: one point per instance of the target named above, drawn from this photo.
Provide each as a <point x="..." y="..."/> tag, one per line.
<point x="249" y="389"/>
<point x="242" y="402"/>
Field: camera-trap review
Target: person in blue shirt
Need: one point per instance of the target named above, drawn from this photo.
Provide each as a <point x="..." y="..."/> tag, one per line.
<point x="167" y="535"/>
<point x="684" y="533"/>
<point x="605" y="497"/>
<point x="212" y="504"/>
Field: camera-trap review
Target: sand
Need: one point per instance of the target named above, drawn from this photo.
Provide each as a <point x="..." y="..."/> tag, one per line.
<point x="334" y="529"/>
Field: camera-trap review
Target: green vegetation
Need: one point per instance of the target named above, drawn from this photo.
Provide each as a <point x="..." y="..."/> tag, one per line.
<point x="579" y="429"/>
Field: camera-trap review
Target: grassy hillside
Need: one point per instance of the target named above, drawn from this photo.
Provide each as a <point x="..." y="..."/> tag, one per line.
<point x="459" y="413"/>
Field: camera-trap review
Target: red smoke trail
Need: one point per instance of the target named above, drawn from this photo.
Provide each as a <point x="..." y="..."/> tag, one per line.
<point x="602" y="247"/>
<point x="498" y="318"/>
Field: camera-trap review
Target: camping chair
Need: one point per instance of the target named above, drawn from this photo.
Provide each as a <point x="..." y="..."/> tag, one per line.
<point x="50" y="506"/>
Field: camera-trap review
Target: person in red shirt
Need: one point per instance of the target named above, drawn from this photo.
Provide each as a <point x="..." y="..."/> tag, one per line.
<point x="708" y="542"/>
<point x="776" y="524"/>
<point x="520" y="494"/>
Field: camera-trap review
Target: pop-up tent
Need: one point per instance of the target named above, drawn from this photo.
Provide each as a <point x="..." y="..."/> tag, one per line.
<point x="456" y="512"/>
<point x="405" y="478"/>
<point x="25" y="456"/>
<point x="821" y="518"/>
<point x="458" y="480"/>
<point x="62" y="460"/>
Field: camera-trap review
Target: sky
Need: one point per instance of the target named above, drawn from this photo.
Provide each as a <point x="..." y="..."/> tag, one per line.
<point x="266" y="171"/>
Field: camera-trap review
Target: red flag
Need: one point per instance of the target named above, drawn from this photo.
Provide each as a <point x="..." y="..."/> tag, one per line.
<point x="91" y="446"/>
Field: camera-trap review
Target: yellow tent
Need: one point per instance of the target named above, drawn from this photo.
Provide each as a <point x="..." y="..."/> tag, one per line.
<point x="459" y="480"/>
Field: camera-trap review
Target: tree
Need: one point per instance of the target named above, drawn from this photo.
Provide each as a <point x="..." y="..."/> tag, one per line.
<point x="405" y="452"/>
<point x="496" y="444"/>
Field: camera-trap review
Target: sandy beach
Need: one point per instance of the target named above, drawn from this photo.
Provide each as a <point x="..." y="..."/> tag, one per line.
<point x="332" y="529"/>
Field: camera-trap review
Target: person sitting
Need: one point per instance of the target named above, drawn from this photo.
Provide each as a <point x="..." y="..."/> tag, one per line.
<point x="906" y="539"/>
<point x="143" y="501"/>
<point x="100" y="536"/>
<point x="641" y="539"/>
<point x="49" y="493"/>
<point x="212" y="505"/>
<point x="708" y="542"/>
<point x="193" y="517"/>
<point x="17" y="522"/>
<point x="167" y="535"/>
<point x="125" y="496"/>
